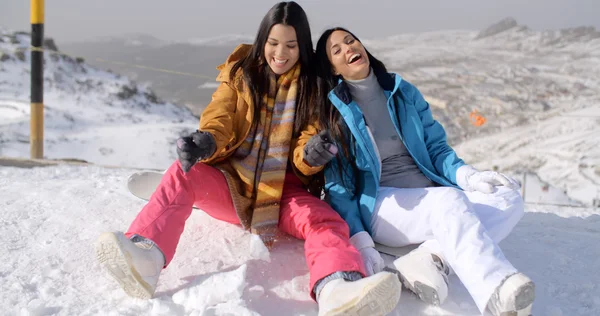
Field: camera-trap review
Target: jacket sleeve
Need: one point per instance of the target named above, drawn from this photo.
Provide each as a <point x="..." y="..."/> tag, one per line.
<point x="348" y="209"/>
<point x="298" y="151"/>
<point x="341" y="199"/>
<point x="217" y="118"/>
<point x="444" y="158"/>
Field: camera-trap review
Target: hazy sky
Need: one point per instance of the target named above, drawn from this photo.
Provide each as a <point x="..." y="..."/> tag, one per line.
<point x="75" y="20"/>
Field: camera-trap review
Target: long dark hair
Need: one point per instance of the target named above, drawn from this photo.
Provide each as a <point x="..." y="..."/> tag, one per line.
<point x="256" y="70"/>
<point x="329" y="117"/>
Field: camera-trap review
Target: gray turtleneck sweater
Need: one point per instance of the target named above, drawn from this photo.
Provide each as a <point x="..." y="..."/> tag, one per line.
<point x="398" y="168"/>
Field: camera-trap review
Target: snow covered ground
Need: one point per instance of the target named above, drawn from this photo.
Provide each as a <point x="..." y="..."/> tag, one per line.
<point x="51" y="217"/>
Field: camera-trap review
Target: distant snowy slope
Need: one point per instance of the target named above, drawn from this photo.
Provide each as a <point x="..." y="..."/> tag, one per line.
<point x="223" y="40"/>
<point x="89" y="114"/>
<point x="509" y="74"/>
<point x="564" y="151"/>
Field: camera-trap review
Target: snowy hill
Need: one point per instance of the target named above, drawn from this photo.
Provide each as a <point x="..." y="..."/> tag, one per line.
<point x="198" y="58"/>
<point x="229" y="40"/>
<point x="90" y="114"/>
<point x="131" y="39"/>
<point x="149" y="41"/>
<point x="563" y="150"/>
<point x="509" y="74"/>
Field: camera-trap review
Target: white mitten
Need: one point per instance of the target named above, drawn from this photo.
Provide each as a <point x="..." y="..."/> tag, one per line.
<point x="363" y="242"/>
<point x="470" y="179"/>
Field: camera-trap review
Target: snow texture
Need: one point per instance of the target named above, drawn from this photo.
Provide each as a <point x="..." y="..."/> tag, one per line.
<point x="51" y="217"/>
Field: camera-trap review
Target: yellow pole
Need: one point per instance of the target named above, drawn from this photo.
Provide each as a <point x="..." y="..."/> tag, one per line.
<point x="36" y="138"/>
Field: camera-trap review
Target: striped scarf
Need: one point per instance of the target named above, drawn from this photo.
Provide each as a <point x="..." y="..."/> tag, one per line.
<point x="262" y="158"/>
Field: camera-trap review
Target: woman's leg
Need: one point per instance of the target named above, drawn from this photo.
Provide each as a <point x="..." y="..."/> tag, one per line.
<point x="336" y="267"/>
<point x="327" y="247"/>
<point x="409" y="216"/>
<point x="163" y="218"/>
<point x="498" y="212"/>
<point x="135" y="259"/>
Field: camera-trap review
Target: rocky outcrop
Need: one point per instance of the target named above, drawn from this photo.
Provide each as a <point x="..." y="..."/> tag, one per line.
<point x="498" y="27"/>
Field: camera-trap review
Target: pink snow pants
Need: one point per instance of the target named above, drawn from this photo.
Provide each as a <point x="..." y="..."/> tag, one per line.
<point x="327" y="247"/>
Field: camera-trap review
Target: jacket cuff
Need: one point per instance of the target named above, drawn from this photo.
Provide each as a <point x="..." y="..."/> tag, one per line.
<point x="362" y="240"/>
<point x="303" y="166"/>
<point x="462" y="176"/>
<point x="219" y="145"/>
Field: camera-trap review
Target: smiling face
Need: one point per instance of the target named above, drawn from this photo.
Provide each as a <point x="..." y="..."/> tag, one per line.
<point x="281" y="48"/>
<point x="347" y="56"/>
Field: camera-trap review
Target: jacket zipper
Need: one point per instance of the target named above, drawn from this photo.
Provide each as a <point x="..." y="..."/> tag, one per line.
<point x="399" y="131"/>
<point x="376" y="152"/>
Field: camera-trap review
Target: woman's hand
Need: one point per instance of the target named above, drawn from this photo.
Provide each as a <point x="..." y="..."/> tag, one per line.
<point x="469" y="179"/>
<point x="372" y="260"/>
<point x="319" y="150"/>
<point x="197" y="146"/>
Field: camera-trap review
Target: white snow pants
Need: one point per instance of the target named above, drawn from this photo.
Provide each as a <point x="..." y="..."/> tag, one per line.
<point x="463" y="228"/>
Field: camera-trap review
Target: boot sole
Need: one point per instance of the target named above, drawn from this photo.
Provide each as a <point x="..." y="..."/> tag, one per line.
<point x="524" y="301"/>
<point x="377" y="300"/>
<point x="425" y="292"/>
<point x="117" y="262"/>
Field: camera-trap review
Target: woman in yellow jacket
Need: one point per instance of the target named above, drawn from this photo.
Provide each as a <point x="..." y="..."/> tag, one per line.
<point x="246" y="164"/>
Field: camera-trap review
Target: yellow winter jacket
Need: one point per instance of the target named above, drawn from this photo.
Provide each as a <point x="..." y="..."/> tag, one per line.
<point x="228" y="117"/>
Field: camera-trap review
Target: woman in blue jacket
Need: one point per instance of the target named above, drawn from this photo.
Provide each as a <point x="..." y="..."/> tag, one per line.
<point x="396" y="181"/>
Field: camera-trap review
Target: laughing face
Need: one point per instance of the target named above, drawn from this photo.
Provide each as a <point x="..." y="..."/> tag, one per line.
<point x="347" y="56"/>
<point x="281" y="49"/>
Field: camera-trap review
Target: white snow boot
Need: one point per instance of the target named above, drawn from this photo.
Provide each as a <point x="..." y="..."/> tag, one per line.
<point x="376" y="295"/>
<point x="135" y="265"/>
<point x="514" y="297"/>
<point x="425" y="274"/>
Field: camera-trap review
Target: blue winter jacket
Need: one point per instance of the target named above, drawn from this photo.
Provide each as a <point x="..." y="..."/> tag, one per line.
<point x="354" y="198"/>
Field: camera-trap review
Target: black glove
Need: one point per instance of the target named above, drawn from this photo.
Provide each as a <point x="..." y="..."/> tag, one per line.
<point x="198" y="146"/>
<point x="319" y="149"/>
